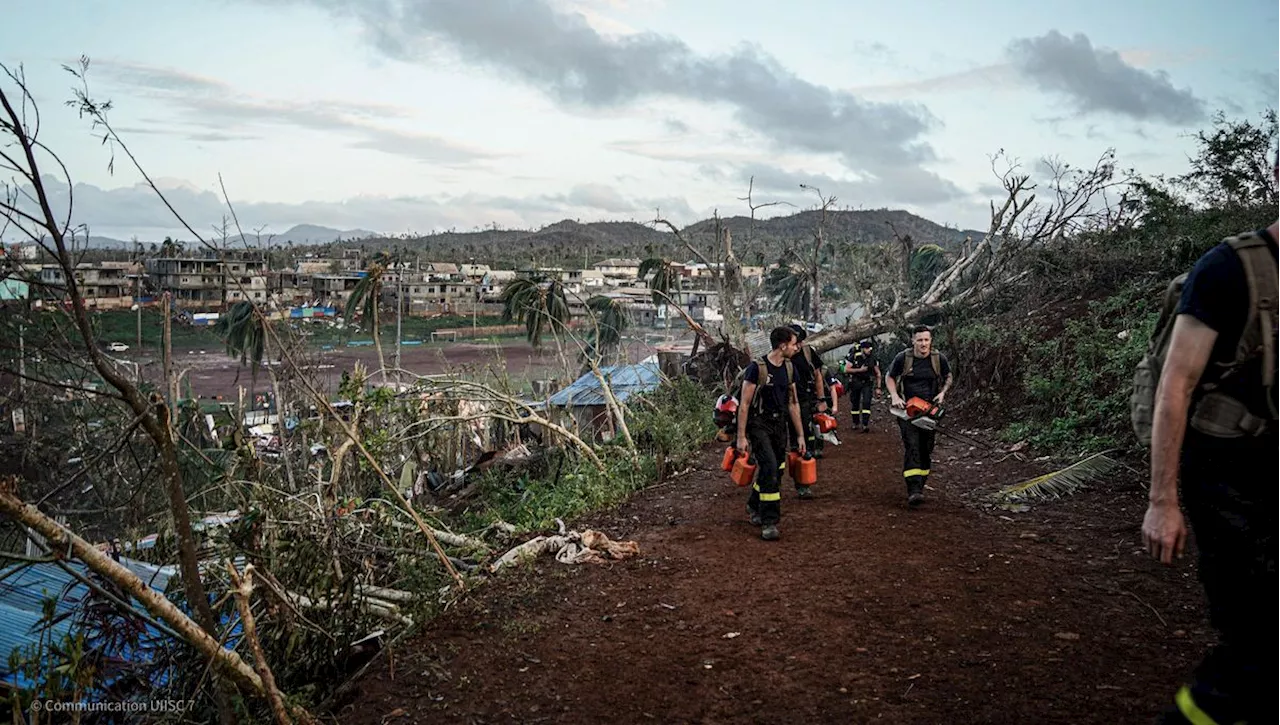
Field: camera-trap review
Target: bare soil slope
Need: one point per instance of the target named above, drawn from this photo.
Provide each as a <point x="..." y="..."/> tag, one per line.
<point x="863" y="612"/>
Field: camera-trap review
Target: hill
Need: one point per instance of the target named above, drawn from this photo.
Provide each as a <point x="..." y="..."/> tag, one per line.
<point x="313" y="234"/>
<point x="570" y="243"/>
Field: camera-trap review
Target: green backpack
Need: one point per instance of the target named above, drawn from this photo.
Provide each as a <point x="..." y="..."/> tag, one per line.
<point x="1217" y="414"/>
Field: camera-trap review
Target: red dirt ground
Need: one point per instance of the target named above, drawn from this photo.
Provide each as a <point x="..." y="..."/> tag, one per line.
<point x="863" y="612"/>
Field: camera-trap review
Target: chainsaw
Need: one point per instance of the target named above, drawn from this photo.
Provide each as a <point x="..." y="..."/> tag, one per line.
<point x="924" y="415"/>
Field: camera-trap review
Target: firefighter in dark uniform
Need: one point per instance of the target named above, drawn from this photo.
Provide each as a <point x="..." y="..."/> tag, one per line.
<point x="864" y="382"/>
<point x="768" y="404"/>
<point x="811" y="387"/>
<point x="1214" y="430"/>
<point x="917" y="372"/>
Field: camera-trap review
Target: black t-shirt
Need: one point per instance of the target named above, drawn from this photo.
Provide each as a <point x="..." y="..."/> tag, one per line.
<point x="859" y="359"/>
<point x="1217" y="293"/>
<point x="922" y="383"/>
<point x="772" y="393"/>
<point x="805" y="372"/>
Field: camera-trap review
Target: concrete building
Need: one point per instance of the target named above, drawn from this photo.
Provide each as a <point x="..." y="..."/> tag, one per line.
<point x="211" y="281"/>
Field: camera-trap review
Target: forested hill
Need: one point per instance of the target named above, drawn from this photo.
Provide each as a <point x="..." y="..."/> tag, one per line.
<point x="570" y="243"/>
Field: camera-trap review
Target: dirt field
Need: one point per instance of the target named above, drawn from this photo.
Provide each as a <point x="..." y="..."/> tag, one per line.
<point x="212" y="372"/>
<point x="863" y="612"/>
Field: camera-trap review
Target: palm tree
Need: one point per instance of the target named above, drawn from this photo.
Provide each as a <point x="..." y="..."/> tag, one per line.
<point x="242" y="330"/>
<point x="664" y="282"/>
<point x="364" y="302"/>
<point x="927" y="263"/>
<point x="790" y="288"/>
<point x="537" y="302"/>
<point x="611" y="321"/>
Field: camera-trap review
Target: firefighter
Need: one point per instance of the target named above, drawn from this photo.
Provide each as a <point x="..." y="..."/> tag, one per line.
<point x="725" y="417"/>
<point x="917" y="372"/>
<point x="864" y="382"/>
<point x="811" y="388"/>
<point x="768" y="404"/>
<point x="1214" y="429"/>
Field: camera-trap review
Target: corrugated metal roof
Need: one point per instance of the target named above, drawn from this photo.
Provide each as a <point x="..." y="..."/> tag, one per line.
<point x="625" y="380"/>
<point x="23" y="589"/>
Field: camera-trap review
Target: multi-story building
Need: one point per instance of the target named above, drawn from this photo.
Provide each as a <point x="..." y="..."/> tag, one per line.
<point x="211" y="281"/>
<point x="621" y="269"/>
<point x="102" y="285"/>
<point x="333" y="290"/>
<point x="290" y="288"/>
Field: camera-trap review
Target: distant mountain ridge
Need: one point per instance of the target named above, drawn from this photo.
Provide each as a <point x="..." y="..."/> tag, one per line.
<point x="571" y="243"/>
<point x="299" y="234"/>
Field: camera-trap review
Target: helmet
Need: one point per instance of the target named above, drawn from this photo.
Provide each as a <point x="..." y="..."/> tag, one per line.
<point x="865" y="342"/>
<point x="726" y="411"/>
<point x="801" y="334"/>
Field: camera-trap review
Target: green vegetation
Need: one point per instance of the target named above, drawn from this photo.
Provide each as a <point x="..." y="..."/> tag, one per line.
<point x="670" y="425"/>
<point x="1056" y="357"/>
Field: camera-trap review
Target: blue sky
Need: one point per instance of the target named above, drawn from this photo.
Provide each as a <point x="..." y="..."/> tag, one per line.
<point x="421" y="115"/>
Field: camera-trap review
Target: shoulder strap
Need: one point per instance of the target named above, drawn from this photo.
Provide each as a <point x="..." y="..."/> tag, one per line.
<point x="935" y="359"/>
<point x="908" y="363"/>
<point x="1258" y="334"/>
<point x="786" y="365"/>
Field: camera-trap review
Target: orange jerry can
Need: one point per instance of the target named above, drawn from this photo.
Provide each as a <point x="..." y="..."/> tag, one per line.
<point x="826" y="423"/>
<point x="793" y="462"/>
<point x="806" y="473"/>
<point x="730" y="455"/>
<point x="744" y="470"/>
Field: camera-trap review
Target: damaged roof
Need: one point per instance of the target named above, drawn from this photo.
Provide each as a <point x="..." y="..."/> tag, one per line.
<point x="626" y="380"/>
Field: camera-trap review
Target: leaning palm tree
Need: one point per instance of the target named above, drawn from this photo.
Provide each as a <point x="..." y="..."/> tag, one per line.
<point x="611" y="321"/>
<point x="664" y="282"/>
<point x="364" y="301"/>
<point x="241" y="329"/>
<point x="790" y="288"/>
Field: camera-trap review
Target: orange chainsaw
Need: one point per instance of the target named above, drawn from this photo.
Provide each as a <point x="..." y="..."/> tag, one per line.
<point x="924" y="415"/>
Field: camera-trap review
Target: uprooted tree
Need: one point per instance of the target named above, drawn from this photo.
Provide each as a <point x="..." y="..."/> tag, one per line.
<point x="1030" y="215"/>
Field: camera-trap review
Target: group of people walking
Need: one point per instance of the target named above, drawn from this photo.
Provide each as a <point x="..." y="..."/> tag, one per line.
<point x="784" y="390"/>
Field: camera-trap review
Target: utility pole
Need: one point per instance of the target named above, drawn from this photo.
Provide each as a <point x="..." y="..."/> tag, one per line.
<point x="399" y="313"/>
<point x="137" y="302"/>
<point x="167" y="343"/>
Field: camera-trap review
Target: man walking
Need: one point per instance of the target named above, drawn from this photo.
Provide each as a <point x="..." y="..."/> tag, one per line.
<point x="864" y="382"/>
<point x="811" y="385"/>
<point x="1214" y="427"/>
<point x="917" y="372"/>
<point x="768" y="404"/>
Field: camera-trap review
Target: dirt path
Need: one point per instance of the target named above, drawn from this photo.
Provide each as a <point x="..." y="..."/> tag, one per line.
<point x="863" y="612"/>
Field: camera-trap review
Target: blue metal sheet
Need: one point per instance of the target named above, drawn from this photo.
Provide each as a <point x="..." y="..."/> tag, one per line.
<point x="625" y="380"/>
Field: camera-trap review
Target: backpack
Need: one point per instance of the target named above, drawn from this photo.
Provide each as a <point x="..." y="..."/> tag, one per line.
<point x="935" y="359"/>
<point x="1216" y="414"/>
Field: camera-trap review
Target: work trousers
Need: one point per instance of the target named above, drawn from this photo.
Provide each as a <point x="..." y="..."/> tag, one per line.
<point x="1229" y="493"/>
<point x="917" y="455"/>
<point x="767" y="434"/>
<point x="812" y="441"/>
<point x="860" y="402"/>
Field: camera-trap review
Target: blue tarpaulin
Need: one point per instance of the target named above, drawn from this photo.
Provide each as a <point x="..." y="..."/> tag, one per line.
<point x="626" y="380"/>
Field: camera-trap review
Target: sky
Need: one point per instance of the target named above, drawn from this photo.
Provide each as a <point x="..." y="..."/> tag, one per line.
<point x="414" y="116"/>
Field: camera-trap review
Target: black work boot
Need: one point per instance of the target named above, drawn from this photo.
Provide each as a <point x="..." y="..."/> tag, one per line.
<point x="915" y="493"/>
<point x="769" y="532"/>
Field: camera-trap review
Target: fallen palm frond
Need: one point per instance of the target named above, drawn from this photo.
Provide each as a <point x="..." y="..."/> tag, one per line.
<point x="1059" y="483"/>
